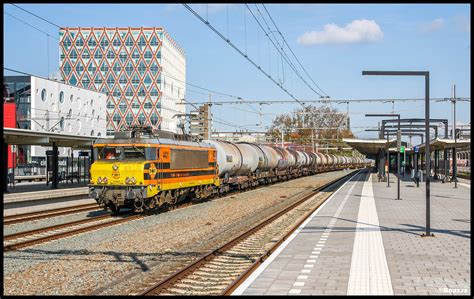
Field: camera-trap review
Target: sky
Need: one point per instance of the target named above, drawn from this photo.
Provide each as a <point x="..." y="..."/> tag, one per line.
<point x="334" y="43"/>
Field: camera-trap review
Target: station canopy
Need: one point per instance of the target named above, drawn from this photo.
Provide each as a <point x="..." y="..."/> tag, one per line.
<point x="28" y="137"/>
<point x="369" y="146"/>
<point x="442" y="144"/>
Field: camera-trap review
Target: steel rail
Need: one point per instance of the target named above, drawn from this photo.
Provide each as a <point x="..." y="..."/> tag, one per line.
<point x="180" y="274"/>
<point x="63" y="234"/>
<point x="19" y="218"/>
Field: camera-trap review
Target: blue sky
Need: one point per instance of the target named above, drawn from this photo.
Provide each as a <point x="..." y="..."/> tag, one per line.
<point x="335" y="43"/>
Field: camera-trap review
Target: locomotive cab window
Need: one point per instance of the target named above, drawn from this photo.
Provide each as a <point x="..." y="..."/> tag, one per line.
<point x="107" y="153"/>
<point x="110" y="153"/>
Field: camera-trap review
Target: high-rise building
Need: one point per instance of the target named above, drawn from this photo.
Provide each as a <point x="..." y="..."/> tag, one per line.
<point x="142" y="70"/>
<point x="199" y="122"/>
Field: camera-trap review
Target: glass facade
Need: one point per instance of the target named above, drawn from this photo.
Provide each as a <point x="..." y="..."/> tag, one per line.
<point x="19" y="89"/>
<point x="125" y="63"/>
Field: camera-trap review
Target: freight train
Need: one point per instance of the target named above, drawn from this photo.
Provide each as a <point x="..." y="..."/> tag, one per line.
<point x="140" y="171"/>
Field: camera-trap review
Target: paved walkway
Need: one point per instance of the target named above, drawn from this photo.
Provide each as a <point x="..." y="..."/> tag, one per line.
<point x="363" y="241"/>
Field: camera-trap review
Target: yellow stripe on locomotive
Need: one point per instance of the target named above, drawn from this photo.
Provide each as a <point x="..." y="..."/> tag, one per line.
<point x="148" y="175"/>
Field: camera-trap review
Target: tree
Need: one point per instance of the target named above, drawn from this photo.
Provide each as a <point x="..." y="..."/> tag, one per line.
<point x="326" y="123"/>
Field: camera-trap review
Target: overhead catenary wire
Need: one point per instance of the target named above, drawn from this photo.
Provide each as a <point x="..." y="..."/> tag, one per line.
<point x="284" y="40"/>
<point x="49" y="22"/>
<point x="283" y="55"/>
<point x="45" y="33"/>
<point x="240" y="52"/>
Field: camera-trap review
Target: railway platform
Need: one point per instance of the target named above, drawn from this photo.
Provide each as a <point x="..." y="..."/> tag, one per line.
<point x="29" y="197"/>
<point x="364" y="241"/>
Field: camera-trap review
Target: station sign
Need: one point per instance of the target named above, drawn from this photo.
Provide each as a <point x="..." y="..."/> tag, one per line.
<point x="399" y="139"/>
<point x="416" y="149"/>
<point x="402" y="149"/>
<point x="83" y="154"/>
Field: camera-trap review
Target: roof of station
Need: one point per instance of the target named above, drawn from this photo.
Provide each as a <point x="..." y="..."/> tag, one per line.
<point x="441" y="144"/>
<point x="369" y="146"/>
<point x="29" y="137"/>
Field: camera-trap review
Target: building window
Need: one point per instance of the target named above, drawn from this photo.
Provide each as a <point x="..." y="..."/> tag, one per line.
<point x="117" y="118"/>
<point x="85" y="54"/>
<point x="148" y="54"/>
<point x="79" y="42"/>
<point x="98" y="55"/>
<point x="43" y="95"/>
<point x="129" y="42"/>
<point x="92" y="42"/>
<point x="98" y="80"/>
<point x="154" y="92"/>
<point x="123" y="79"/>
<point x="123" y="56"/>
<point x="135" y="79"/>
<point x="110" y="105"/>
<point x="104" y="68"/>
<point x="110" y="54"/>
<point x="129" y="69"/>
<point x="73" y="54"/>
<point x="85" y="81"/>
<point x="61" y="123"/>
<point x="135" y="54"/>
<point x="154" y="118"/>
<point x="91" y="68"/>
<point x="117" y="68"/>
<point x="61" y="97"/>
<point x="117" y="43"/>
<point x="129" y="119"/>
<point x="104" y="43"/>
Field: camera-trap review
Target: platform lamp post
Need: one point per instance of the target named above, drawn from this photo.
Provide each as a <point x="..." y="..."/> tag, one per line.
<point x="427" y="131"/>
<point x="398" y="147"/>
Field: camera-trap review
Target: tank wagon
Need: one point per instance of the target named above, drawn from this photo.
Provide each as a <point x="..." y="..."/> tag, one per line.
<point x="144" y="172"/>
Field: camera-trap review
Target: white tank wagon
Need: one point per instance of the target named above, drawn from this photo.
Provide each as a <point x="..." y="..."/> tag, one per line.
<point x="323" y="161"/>
<point x="250" y="158"/>
<point x="282" y="158"/>
<point x="229" y="158"/>
<point x="315" y="160"/>
<point x="299" y="157"/>
<point x="290" y="157"/>
<point x="271" y="158"/>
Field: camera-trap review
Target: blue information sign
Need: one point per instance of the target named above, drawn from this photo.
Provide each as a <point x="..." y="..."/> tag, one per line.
<point x="416" y="148"/>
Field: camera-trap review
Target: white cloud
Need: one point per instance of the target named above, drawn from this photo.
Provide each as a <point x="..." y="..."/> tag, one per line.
<point x="432" y="26"/>
<point x="356" y="32"/>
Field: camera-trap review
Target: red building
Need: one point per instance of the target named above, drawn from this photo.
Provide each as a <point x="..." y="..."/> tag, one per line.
<point x="9" y="121"/>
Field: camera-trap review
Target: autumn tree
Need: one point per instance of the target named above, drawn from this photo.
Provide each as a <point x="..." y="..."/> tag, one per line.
<point x="322" y="124"/>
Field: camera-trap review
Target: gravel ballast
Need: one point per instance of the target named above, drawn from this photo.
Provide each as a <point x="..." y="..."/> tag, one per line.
<point x="124" y="259"/>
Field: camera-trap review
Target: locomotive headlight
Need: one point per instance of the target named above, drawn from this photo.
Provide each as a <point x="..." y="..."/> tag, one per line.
<point x="99" y="180"/>
<point x="105" y="180"/>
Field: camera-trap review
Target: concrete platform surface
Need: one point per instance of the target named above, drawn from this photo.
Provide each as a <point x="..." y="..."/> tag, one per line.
<point x="39" y="191"/>
<point x="363" y="241"/>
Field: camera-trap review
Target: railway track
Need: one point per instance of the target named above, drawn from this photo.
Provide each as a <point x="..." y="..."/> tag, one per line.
<point x="46" y="234"/>
<point x="221" y="271"/>
<point x="20" y="218"/>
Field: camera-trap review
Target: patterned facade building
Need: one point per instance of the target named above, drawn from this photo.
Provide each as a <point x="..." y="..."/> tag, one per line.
<point x="142" y="70"/>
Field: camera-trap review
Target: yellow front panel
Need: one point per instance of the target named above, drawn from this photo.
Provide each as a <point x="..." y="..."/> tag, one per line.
<point x="117" y="171"/>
